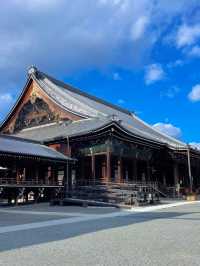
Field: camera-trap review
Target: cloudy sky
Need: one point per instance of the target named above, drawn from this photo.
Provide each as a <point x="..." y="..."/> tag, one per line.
<point x="142" y="55"/>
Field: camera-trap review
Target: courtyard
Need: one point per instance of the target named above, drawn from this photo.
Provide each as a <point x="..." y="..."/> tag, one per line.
<point x="53" y="235"/>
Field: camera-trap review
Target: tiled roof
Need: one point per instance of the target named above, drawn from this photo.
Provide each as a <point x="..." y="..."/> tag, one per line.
<point x="89" y="106"/>
<point x="95" y="111"/>
<point x="18" y="146"/>
<point x="63" y="130"/>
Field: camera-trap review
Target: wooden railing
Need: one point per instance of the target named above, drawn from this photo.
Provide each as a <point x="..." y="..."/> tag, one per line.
<point x="29" y="182"/>
<point x="131" y="184"/>
<point x="127" y="193"/>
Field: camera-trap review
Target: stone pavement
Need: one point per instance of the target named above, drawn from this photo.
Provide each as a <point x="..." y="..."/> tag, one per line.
<point x="44" y="235"/>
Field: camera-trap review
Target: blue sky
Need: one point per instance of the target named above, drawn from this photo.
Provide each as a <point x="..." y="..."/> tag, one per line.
<point x="142" y="55"/>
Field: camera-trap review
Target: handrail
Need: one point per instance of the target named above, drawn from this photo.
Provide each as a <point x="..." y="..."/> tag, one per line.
<point x="34" y="182"/>
<point x="93" y="182"/>
<point x="139" y="186"/>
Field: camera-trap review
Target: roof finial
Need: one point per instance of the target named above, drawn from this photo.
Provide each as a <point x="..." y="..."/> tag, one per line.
<point x="32" y="70"/>
<point x="114" y="117"/>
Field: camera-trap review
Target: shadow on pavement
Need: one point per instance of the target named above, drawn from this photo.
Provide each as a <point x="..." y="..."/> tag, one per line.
<point x="24" y="238"/>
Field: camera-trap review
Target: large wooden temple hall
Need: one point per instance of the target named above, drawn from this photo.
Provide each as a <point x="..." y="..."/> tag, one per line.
<point x="109" y="143"/>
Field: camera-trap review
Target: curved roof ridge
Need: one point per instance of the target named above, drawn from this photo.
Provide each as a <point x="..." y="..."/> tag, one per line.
<point x="42" y="85"/>
<point x="85" y="94"/>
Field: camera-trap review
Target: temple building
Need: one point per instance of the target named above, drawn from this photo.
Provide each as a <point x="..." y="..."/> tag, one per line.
<point x="110" y="144"/>
<point x="28" y="167"/>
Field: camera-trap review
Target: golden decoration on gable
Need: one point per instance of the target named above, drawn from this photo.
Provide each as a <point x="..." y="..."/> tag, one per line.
<point x="34" y="95"/>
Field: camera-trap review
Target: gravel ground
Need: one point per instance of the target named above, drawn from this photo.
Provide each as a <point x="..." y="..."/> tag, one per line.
<point x="165" y="237"/>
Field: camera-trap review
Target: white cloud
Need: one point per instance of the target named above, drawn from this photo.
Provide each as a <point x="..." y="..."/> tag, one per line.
<point x="154" y="73"/>
<point x="94" y="35"/>
<point x="195" y="51"/>
<point x="194" y="94"/>
<point x="107" y="33"/>
<point x="168" y="129"/>
<point x="44" y="4"/>
<point x="187" y="35"/>
<point x="116" y="76"/>
<point x="110" y="2"/>
<point x="176" y="63"/>
<point x="170" y="92"/>
<point x="6" y="98"/>
<point x="139" y="27"/>
<point x="195" y="145"/>
<point x="6" y="101"/>
<point x="121" y="101"/>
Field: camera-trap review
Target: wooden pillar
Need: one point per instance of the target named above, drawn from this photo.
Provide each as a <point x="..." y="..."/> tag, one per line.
<point x="82" y="174"/>
<point x="49" y="175"/>
<point x="164" y="180"/>
<point x="36" y="196"/>
<point x="126" y="170"/>
<point x="52" y="175"/>
<point x="17" y="176"/>
<point x="24" y="174"/>
<point x="108" y="166"/>
<point x="135" y="169"/>
<point x="26" y="197"/>
<point x="148" y="171"/>
<point x="176" y="174"/>
<point x="189" y="169"/>
<point x="66" y="181"/>
<point x="68" y="176"/>
<point x="103" y="170"/>
<point x="119" y="170"/>
<point x="93" y="167"/>
<point x="36" y="174"/>
<point x="56" y="175"/>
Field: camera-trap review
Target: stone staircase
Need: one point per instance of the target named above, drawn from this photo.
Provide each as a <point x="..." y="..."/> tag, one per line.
<point x="135" y="193"/>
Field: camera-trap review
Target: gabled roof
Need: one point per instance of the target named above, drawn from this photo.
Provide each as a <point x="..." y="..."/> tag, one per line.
<point x="21" y="147"/>
<point x="90" y="107"/>
<point x="73" y="99"/>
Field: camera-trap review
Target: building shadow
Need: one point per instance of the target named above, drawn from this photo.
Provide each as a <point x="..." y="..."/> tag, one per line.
<point x="24" y="238"/>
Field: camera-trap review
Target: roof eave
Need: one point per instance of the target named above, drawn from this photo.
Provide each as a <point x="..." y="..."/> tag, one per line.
<point x="108" y="124"/>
